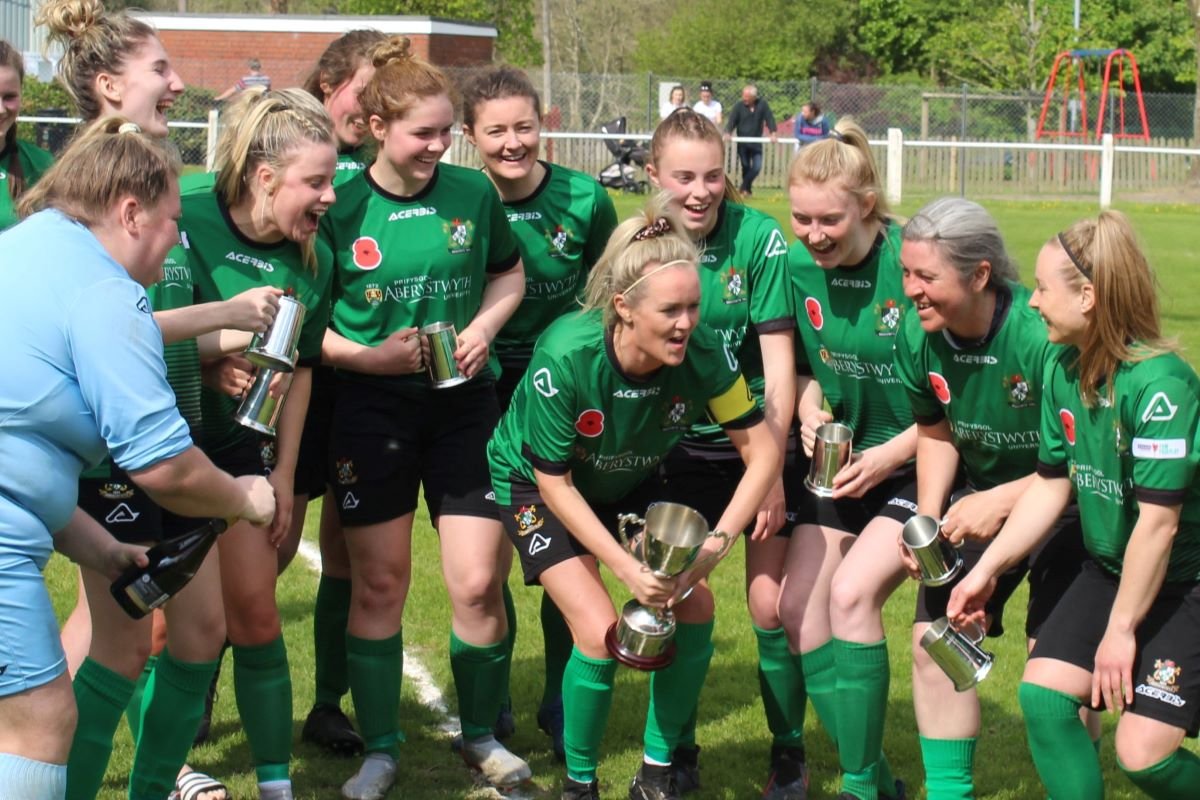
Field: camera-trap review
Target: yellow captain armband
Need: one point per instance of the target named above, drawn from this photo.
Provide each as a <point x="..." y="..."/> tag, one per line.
<point x="734" y="403"/>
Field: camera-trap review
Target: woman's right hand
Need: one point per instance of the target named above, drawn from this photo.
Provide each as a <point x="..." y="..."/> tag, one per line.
<point x="259" y="506"/>
<point x="254" y="309"/>
<point x="229" y="375"/>
<point x="398" y="354"/>
<point x="648" y="588"/>
<point x="808" y="428"/>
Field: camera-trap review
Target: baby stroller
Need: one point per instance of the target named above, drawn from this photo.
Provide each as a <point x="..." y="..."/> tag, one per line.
<point x="621" y="174"/>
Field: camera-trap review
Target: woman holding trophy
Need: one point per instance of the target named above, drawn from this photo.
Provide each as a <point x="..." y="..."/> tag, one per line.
<point x="609" y="392"/>
<point x="1119" y="427"/>
<point x="275" y="163"/>
<point x="971" y="356"/>
<point x="842" y="562"/>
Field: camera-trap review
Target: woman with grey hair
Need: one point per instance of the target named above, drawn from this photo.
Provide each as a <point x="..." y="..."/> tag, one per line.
<point x="971" y="359"/>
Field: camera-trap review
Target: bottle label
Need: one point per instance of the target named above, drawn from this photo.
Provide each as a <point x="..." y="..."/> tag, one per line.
<point x="146" y="594"/>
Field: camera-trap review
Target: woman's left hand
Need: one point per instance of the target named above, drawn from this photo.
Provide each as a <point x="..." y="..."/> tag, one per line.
<point x="865" y="471"/>
<point x="472" y="352"/>
<point x="772" y="515"/>
<point x="284" y="498"/>
<point x="1112" y="678"/>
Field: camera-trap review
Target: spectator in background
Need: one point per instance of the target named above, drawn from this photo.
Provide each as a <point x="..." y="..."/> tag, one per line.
<point x="747" y="119"/>
<point x="677" y="99"/>
<point x="256" y="78"/>
<point x="707" y="106"/>
<point x="811" y="125"/>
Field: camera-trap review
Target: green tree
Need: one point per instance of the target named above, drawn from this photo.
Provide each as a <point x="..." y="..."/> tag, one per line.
<point x="513" y="19"/>
<point x="740" y="39"/>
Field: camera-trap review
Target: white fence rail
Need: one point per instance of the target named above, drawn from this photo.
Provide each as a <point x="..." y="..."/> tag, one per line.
<point x="1071" y="169"/>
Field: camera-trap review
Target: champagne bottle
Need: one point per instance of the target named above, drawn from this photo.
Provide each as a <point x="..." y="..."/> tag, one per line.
<point x="174" y="562"/>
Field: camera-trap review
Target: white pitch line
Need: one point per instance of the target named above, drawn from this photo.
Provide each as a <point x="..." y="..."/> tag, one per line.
<point x="427" y="692"/>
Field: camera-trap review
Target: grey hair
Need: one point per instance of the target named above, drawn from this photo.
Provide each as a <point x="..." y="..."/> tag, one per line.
<point x="966" y="235"/>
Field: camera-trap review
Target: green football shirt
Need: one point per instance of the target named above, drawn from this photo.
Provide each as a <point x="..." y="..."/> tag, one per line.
<point x="849" y="317"/>
<point x="1140" y="448"/>
<point x="351" y="162"/>
<point x="34" y="163"/>
<point x="576" y="412"/>
<point x="744" y="291"/>
<point x="988" y="391"/>
<point x="413" y="261"/>
<point x="225" y="263"/>
<point x="561" y="229"/>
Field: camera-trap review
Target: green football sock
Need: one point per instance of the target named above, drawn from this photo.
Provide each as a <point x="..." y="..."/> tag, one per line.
<point x="1061" y="748"/>
<point x="862" y="687"/>
<point x="949" y="768"/>
<point x="330" y="617"/>
<point x="133" y="711"/>
<point x="1177" y="775"/>
<point x="887" y="781"/>
<point x="262" y="686"/>
<point x="376" y="668"/>
<point x="479" y="680"/>
<point x="675" y="690"/>
<point x="587" y="699"/>
<point x="781" y="682"/>
<point x="171" y="714"/>
<point x="556" y="649"/>
<point x="101" y="696"/>
<point x="819" y="667"/>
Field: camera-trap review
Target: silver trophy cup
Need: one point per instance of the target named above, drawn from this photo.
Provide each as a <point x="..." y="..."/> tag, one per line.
<point x="259" y="409"/>
<point x="276" y="349"/>
<point x="442" y="340"/>
<point x="831" y="452"/>
<point x="668" y="544"/>
<point x="957" y="653"/>
<point x="937" y="558"/>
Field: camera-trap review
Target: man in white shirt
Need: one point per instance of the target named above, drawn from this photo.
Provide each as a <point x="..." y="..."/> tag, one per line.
<point x="707" y="106"/>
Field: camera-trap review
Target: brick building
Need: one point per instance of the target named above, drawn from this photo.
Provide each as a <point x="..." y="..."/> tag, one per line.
<point x="210" y="51"/>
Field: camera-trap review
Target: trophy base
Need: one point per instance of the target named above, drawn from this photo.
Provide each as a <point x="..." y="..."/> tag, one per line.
<point x="942" y="580"/>
<point x="819" y="491"/>
<point x="635" y="660"/>
<point x="447" y="383"/>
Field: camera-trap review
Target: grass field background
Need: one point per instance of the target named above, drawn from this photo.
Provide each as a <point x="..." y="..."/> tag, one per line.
<point x="732" y="728"/>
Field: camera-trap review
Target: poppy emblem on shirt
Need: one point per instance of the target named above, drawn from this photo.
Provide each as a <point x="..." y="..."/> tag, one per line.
<point x="941" y="389"/>
<point x="813" y="306"/>
<point x="590" y="423"/>
<point x="366" y="253"/>
<point x="1068" y="424"/>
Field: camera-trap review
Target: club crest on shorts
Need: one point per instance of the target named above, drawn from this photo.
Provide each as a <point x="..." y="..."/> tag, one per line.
<point x="460" y="235"/>
<point x="528" y="520"/>
<point x="1017" y="391"/>
<point x="1166" y="672"/>
<point x="345" y="471"/>
<point x="116" y="491"/>
<point x="887" y="318"/>
<point x="1161" y="683"/>
<point x="733" y="281"/>
<point x="561" y="239"/>
<point x="266" y="452"/>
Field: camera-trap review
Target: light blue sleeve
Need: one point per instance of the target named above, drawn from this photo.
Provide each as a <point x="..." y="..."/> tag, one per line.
<point x="118" y="355"/>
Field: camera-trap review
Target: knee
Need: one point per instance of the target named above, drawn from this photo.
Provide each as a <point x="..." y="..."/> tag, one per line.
<point x="698" y="608"/>
<point x="764" y="606"/>
<point x="477" y="591"/>
<point x="1137" y="752"/>
<point x="252" y="623"/>
<point x="378" y="591"/>
<point x="847" y="600"/>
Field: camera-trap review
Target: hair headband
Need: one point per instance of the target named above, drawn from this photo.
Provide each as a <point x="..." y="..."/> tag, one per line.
<point x="1087" y="273"/>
